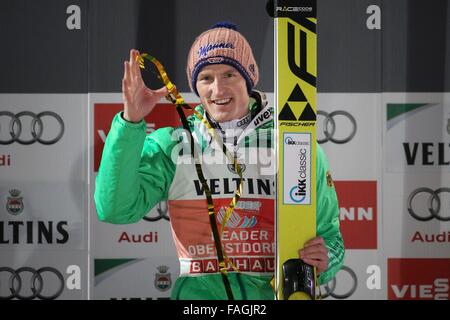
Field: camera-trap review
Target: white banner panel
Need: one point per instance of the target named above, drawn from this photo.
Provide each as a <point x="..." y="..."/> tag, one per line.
<point x="135" y="278"/>
<point x="43" y="215"/>
<point x="416" y="132"/>
<point x="43" y="137"/>
<point x="139" y="239"/>
<point x="416" y="215"/>
<point x="361" y="277"/>
<point x="348" y="131"/>
<point x="44" y="275"/>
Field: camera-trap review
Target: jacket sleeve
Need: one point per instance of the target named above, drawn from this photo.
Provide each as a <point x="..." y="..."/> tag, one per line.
<point x="135" y="172"/>
<point x="328" y="217"/>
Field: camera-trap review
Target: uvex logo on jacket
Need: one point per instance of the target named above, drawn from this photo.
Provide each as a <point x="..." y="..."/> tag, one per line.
<point x="263" y="117"/>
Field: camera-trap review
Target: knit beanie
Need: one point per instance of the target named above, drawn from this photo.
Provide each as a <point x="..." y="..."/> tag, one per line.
<point x="222" y="44"/>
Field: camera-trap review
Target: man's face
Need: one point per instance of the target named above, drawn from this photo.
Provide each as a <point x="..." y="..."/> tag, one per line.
<point x="223" y="92"/>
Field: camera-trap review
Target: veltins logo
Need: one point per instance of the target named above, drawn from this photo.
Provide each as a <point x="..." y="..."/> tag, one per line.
<point x="358" y="213"/>
<point x="18" y="228"/>
<point x="418" y="279"/>
<point x="297" y="168"/>
<point x="412" y="143"/>
<point x="164" y="115"/>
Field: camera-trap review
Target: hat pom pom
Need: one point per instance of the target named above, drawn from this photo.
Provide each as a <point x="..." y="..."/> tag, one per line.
<point x="225" y="24"/>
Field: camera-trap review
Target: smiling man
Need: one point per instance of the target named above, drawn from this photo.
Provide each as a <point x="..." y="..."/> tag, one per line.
<point x="223" y="92"/>
<point x="138" y="171"/>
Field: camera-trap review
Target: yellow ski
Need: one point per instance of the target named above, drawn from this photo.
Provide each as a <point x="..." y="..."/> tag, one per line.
<point x="295" y="100"/>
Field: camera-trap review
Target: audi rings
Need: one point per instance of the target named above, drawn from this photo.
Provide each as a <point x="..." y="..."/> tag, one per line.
<point x="36" y="127"/>
<point x="330" y="290"/>
<point x="329" y="126"/>
<point x="162" y="212"/>
<point x="434" y="204"/>
<point x="36" y="283"/>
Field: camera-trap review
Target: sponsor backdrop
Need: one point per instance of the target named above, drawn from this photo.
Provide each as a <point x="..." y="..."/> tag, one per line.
<point x="383" y="120"/>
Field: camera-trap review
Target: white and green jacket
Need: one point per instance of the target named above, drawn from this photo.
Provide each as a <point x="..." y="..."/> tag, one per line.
<point x="137" y="171"/>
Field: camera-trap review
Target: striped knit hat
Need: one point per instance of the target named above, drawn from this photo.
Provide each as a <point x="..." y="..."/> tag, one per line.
<point x="222" y="44"/>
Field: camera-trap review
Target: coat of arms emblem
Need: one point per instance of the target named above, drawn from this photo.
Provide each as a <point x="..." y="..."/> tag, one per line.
<point x="163" y="282"/>
<point x="14" y="203"/>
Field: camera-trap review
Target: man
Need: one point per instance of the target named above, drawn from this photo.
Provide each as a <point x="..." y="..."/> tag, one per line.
<point x="138" y="171"/>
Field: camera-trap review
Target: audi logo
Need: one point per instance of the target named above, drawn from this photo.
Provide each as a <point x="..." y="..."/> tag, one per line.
<point x="434" y="204"/>
<point x="36" y="284"/>
<point x="36" y="128"/>
<point x="330" y="291"/>
<point x="329" y="126"/>
<point x="162" y="213"/>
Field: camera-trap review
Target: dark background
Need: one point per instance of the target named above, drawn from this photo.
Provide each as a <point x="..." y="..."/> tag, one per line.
<point x="40" y="55"/>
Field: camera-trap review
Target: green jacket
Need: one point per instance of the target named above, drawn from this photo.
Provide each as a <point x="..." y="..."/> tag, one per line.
<point x="137" y="171"/>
